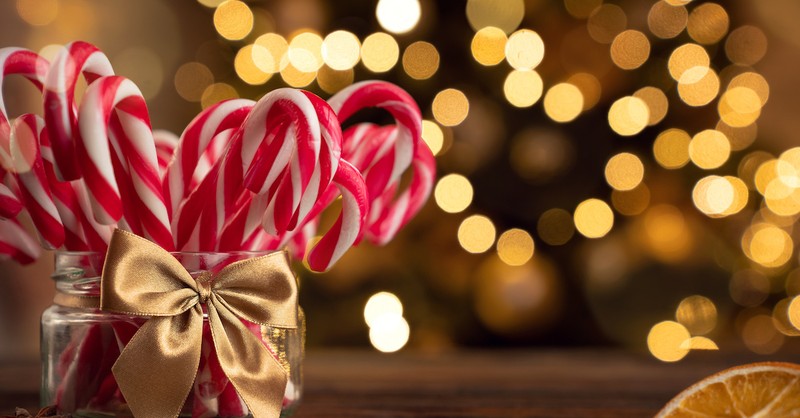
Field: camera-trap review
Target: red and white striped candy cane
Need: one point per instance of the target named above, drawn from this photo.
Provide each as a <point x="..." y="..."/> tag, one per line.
<point x="60" y="112"/>
<point x="16" y="244"/>
<point x="166" y="144"/>
<point x="392" y="159"/>
<point x="10" y="206"/>
<point x="33" y="182"/>
<point x="135" y="151"/>
<point x="197" y="146"/>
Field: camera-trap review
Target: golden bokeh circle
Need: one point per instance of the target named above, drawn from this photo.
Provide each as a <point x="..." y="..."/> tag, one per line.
<point x="379" y="52"/>
<point x="523" y="88"/>
<point x="708" y="23"/>
<point x="524" y="49"/>
<point x="476" y="234"/>
<point x="630" y="49"/>
<point x="489" y="46"/>
<point x="709" y="149"/>
<point x="664" y="341"/>
<point x="628" y="116"/>
<point x="624" y="171"/>
<point x="563" y="102"/>
<point x="450" y="107"/>
<point x="421" y="60"/>
<point x="593" y="218"/>
<point x="233" y="20"/>
<point x="515" y="247"/>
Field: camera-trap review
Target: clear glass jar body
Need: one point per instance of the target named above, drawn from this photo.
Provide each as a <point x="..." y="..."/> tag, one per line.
<point x="80" y="343"/>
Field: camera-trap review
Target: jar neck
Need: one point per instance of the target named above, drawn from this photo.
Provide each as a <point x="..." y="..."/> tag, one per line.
<point x="78" y="273"/>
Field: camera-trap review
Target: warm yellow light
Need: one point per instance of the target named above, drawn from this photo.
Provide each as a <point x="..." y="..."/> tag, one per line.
<point x="380" y="304"/>
<point x="698" y="314"/>
<point x="631" y="202"/>
<point x="741" y="137"/>
<point x="421" y="60"/>
<point x="656" y="102"/>
<point x="524" y="49"/>
<point x="38" y="12"/>
<point x="191" y="80"/>
<point x="739" y="107"/>
<point x="476" y="234"/>
<point x="628" y="116"/>
<point x="765" y="173"/>
<point x="305" y="52"/>
<point x="581" y="9"/>
<point x="667" y="21"/>
<point x="398" y="16"/>
<point x="433" y="136"/>
<point x="515" y="247"/>
<point x="450" y="107"/>
<point x="555" y="226"/>
<point x="708" y="23"/>
<point x="606" y="22"/>
<point x="768" y="245"/>
<point x="698" y="86"/>
<point x="453" y="193"/>
<point x="624" y="171"/>
<point x="503" y="14"/>
<point x="671" y="148"/>
<point x="489" y="46"/>
<point x="331" y="80"/>
<point x="341" y="50"/>
<point x="665" y="339"/>
<point x="270" y="53"/>
<point x="233" y="20"/>
<point x="753" y="81"/>
<point x="794" y="312"/>
<point x="699" y="343"/>
<point x="746" y="45"/>
<point x="685" y="57"/>
<point x="247" y="70"/>
<point x="666" y="235"/>
<point x="379" y="52"/>
<point x="630" y="49"/>
<point x="709" y="149"/>
<point x="741" y="195"/>
<point x="589" y="86"/>
<point x="216" y="93"/>
<point x="593" y="218"/>
<point x="563" y="102"/>
<point x="389" y="333"/>
<point x="210" y="3"/>
<point x="523" y="88"/>
<point x="296" y="78"/>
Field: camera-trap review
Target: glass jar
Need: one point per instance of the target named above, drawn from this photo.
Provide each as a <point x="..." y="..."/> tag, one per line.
<point x="80" y="343"/>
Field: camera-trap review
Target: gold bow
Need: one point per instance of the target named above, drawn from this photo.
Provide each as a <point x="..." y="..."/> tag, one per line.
<point x="157" y="368"/>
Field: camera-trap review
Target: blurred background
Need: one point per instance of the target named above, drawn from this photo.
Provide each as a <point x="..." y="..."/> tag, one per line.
<point x="610" y="173"/>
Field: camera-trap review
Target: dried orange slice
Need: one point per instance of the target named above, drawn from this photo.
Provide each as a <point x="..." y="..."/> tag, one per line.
<point x="753" y="390"/>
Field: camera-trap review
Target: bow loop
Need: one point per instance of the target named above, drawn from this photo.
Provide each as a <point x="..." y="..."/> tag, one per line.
<point x="142" y="279"/>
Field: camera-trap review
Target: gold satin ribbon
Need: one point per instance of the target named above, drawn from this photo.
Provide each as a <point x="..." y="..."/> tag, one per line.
<point x="157" y="368"/>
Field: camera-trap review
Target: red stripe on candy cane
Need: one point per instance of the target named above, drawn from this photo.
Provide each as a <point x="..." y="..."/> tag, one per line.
<point x="60" y="112"/>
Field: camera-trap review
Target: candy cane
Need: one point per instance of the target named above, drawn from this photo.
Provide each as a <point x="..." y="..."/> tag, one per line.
<point x="10" y="206"/>
<point x="166" y="144"/>
<point x="33" y="181"/>
<point x="60" y="113"/>
<point x="197" y="144"/>
<point x="16" y="244"/>
<point x="135" y="150"/>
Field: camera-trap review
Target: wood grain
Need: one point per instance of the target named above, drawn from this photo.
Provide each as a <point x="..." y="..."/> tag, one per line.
<point x="540" y="383"/>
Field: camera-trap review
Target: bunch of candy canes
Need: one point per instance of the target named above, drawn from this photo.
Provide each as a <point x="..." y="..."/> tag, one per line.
<point x="243" y="175"/>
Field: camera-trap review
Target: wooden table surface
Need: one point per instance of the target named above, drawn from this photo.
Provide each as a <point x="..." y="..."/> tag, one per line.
<point x="533" y="383"/>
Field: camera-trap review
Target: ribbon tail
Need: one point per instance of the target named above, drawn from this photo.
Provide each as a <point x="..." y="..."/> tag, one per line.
<point x="257" y="376"/>
<point x="157" y="368"/>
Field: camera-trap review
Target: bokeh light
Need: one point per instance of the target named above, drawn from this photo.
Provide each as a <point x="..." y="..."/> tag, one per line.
<point x="421" y="60"/>
<point x="450" y="107"/>
<point x="524" y="49"/>
<point x="699" y="343"/>
<point x="380" y="304"/>
<point x="665" y="339"/>
<point x="709" y="149"/>
<point x="246" y="68"/>
<point x="216" y="93"/>
<point x="593" y="218"/>
<point x="606" y="22"/>
<point x="631" y="202"/>
<point x="305" y="52"/>
<point x="379" y="52"/>
<point x="746" y="45"/>
<point x="590" y="88"/>
<point x="489" y="46"/>
<point x="581" y="9"/>
<point x="656" y="101"/>
<point x="398" y="16"/>
<point x="698" y="314"/>
<point x="271" y="53"/>
<point x="389" y="333"/>
<point x="713" y="195"/>
<point x="667" y="21"/>
<point x="341" y="50"/>
<point x="38" y="12"/>
<point x="666" y="236"/>
<point x="671" y="148"/>
<point x="767" y="245"/>
<point x="628" y="116"/>
<point x="453" y="193"/>
<point x="191" y="80"/>
<point x="476" y="234"/>
<point x="686" y="57"/>
<point x="433" y="136"/>
<point x="698" y="86"/>
<point x="515" y="247"/>
<point x="523" y="88"/>
<point x="503" y="14"/>
<point x="624" y="171"/>
<point x="296" y="78"/>
<point x="555" y="226"/>
<point x="563" y="102"/>
<point x="630" y="49"/>
<point x="233" y="20"/>
<point x="331" y="81"/>
<point x="708" y="23"/>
